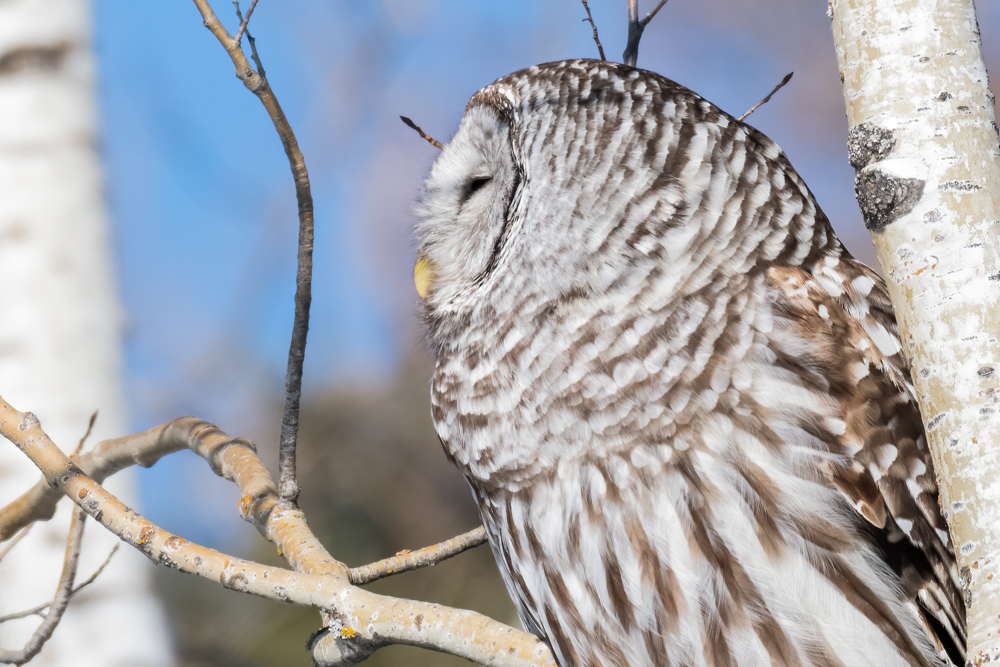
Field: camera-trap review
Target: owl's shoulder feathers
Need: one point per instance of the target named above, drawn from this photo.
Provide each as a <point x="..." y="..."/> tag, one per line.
<point x="842" y="310"/>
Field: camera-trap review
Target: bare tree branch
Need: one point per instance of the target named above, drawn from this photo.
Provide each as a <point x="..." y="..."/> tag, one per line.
<point x="788" y="77"/>
<point x="63" y="594"/>
<point x="232" y="458"/>
<point x="414" y="560"/>
<point x="255" y="81"/>
<point x="236" y="460"/>
<point x="357" y="621"/>
<point x="86" y="434"/>
<point x="157" y="544"/>
<point x="92" y="578"/>
<point x="42" y="607"/>
<point x="144" y="449"/>
<point x="253" y="42"/>
<point x="635" y="28"/>
<point x="631" y="53"/>
<point x="597" y="40"/>
<point x="649" y="16"/>
<point x="360" y="622"/>
<point x="243" y="21"/>
<point x="428" y="138"/>
<point x="39" y="503"/>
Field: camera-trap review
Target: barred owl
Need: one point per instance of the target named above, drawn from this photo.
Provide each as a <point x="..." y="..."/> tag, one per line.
<point x="681" y="405"/>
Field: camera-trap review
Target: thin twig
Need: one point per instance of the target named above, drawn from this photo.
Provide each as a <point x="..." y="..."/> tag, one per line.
<point x="92" y="578"/>
<point x="600" y="49"/>
<point x="42" y="607"/>
<point x="414" y="560"/>
<point x="90" y="429"/>
<point x="635" y="28"/>
<point x="74" y="542"/>
<point x="649" y="16"/>
<point x="253" y="42"/>
<point x="431" y="140"/>
<point x="288" y="485"/>
<point x="243" y="21"/>
<point x="788" y="77"/>
<point x="253" y="54"/>
<point x="22" y="532"/>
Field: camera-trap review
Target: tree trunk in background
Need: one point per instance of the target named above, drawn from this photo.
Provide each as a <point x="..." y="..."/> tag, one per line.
<point x="60" y="328"/>
<point x="924" y="144"/>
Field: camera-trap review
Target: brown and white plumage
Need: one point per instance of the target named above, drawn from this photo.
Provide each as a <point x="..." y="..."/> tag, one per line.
<point x="682" y="407"/>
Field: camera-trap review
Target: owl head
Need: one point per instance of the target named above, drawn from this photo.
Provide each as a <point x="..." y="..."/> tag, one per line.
<point x="568" y="179"/>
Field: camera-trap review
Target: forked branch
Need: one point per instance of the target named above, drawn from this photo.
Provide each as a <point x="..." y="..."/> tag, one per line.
<point x="359" y="621"/>
<point x="42" y="607"/>
<point x="243" y="21"/>
<point x="635" y="28"/>
<point x="58" y="605"/>
<point x="234" y="459"/>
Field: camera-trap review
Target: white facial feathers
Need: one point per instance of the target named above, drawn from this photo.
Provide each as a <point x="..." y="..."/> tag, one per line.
<point x="464" y="207"/>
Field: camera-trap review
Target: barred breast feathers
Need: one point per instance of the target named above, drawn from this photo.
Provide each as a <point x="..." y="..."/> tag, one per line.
<point x="683" y="408"/>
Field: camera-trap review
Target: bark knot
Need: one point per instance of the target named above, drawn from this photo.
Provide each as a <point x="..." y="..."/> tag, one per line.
<point x="883" y="198"/>
<point x="867" y="143"/>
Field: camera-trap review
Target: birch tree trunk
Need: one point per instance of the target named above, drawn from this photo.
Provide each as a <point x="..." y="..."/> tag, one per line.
<point x="924" y="143"/>
<point x="60" y="328"/>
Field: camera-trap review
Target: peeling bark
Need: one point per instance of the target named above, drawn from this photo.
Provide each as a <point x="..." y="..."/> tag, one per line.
<point x="924" y="143"/>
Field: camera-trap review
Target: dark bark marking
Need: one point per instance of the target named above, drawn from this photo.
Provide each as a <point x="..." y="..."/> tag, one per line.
<point x="884" y="199"/>
<point x="867" y="143"/>
<point x="37" y="57"/>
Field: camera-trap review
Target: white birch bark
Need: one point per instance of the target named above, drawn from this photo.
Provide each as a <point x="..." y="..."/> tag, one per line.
<point x="60" y="328"/>
<point x="924" y="142"/>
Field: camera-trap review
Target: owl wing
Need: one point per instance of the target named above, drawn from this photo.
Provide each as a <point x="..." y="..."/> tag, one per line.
<point x="841" y="311"/>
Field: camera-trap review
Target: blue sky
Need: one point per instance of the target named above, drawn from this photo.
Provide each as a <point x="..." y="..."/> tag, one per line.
<point x="202" y="203"/>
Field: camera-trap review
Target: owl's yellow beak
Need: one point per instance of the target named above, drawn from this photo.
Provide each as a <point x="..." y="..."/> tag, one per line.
<point x="423" y="275"/>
